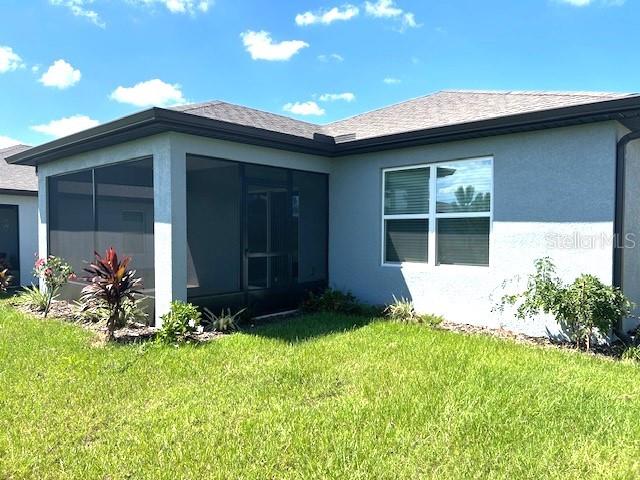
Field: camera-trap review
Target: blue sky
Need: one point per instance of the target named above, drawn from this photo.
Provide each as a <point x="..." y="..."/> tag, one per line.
<point x="70" y="64"/>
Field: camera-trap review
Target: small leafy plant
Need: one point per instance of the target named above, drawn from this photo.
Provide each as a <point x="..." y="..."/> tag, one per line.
<point x="631" y="354"/>
<point x="54" y="273"/>
<point x="132" y="312"/>
<point x="33" y="298"/>
<point x="332" y="301"/>
<point x="403" y="311"/>
<point x="111" y="285"/>
<point x="225" y="322"/>
<point x="182" y="320"/>
<point x="583" y="308"/>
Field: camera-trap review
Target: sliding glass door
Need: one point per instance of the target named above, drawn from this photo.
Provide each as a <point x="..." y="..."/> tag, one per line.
<point x="257" y="235"/>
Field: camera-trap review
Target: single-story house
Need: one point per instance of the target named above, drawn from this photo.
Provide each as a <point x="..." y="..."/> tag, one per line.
<point x="439" y="199"/>
<point x="18" y="217"/>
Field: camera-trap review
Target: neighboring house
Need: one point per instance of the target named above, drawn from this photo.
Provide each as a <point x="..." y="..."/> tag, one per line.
<point x="18" y="217"/>
<point x="439" y="199"/>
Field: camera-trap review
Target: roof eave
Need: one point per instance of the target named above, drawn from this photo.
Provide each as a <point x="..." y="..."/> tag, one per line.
<point x="575" y="115"/>
<point x="159" y="120"/>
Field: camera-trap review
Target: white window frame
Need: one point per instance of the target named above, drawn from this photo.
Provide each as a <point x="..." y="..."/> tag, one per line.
<point x="432" y="216"/>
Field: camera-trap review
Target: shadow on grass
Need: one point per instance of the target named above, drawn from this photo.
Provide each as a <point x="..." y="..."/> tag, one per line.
<point x="308" y="327"/>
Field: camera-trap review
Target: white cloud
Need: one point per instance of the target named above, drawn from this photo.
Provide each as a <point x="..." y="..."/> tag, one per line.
<point x="586" y="3"/>
<point x="383" y="9"/>
<point x="79" y="9"/>
<point x="332" y="97"/>
<point x="389" y="9"/>
<point x="150" y="93"/>
<point x="180" y="6"/>
<point x="65" y="126"/>
<point x="391" y="81"/>
<point x="262" y="47"/>
<point x="9" y="60"/>
<point x="304" y="108"/>
<point x="60" y="75"/>
<point x="8" y="142"/>
<point x="330" y="57"/>
<point x="327" y="17"/>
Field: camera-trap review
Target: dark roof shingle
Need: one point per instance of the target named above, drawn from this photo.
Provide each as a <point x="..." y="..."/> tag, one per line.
<point x="445" y="108"/>
<point x="16" y="177"/>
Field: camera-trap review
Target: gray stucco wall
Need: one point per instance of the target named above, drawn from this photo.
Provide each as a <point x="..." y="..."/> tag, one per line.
<point x="553" y="190"/>
<point x="169" y="151"/>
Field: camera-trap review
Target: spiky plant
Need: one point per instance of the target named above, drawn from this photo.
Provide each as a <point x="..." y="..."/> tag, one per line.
<point x="111" y="284"/>
<point x="5" y="278"/>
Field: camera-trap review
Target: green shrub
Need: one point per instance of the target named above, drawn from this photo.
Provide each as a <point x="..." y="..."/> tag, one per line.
<point x="131" y="312"/>
<point x="583" y="308"/>
<point x="32" y="297"/>
<point x="631" y="354"/>
<point x="225" y="322"/>
<point x="53" y="272"/>
<point x="183" y="320"/>
<point x="332" y="301"/>
<point x="430" y="319"/>
<point x="402" y="310"/>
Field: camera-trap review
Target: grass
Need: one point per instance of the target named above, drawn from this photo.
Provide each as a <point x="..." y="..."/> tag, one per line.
<point x="317" y="397"/>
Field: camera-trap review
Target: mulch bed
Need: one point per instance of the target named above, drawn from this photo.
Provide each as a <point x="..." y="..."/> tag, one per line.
<point x="132" y="333"/>
<point x="141" y="333"/>
<point x="613" y="350"/>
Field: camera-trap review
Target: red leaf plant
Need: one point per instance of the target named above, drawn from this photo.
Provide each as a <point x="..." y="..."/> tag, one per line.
<point x="111" y="284"/>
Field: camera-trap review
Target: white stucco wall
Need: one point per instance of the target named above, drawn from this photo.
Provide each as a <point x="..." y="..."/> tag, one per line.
<point x="551" y="185"/>
<point x="27" y="232"/>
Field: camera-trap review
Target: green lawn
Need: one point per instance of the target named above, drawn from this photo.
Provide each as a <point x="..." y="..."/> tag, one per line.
<point x="316" y="397"/>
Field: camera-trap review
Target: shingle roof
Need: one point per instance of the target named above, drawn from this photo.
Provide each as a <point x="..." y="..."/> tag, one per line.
<point x="439" y="117"/>
<point x="229" y="112"/>
<point x="451" y="107"/>
<point x="448" y="107"/>
<point x="16" y="177"/>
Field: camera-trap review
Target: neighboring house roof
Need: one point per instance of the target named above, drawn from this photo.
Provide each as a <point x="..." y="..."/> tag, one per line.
<point x="16" y="178"/>
<point x="442" y="116"/>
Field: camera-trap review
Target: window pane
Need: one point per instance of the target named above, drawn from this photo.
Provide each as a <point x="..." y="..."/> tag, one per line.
<point x="213" y="226"/>
<point x="124" y="215"/>
<point x="464" y="187"/>
<point x="463" y="241"/>
<point x="71" y="234"/>
<point x="406" y="240"/>
<point x="406" y="191"/>
<point x="9" y="257"/>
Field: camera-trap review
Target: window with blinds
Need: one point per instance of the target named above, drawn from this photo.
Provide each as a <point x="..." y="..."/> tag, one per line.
<point x="446" y="206"/>
<point x="406" y="215"/>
